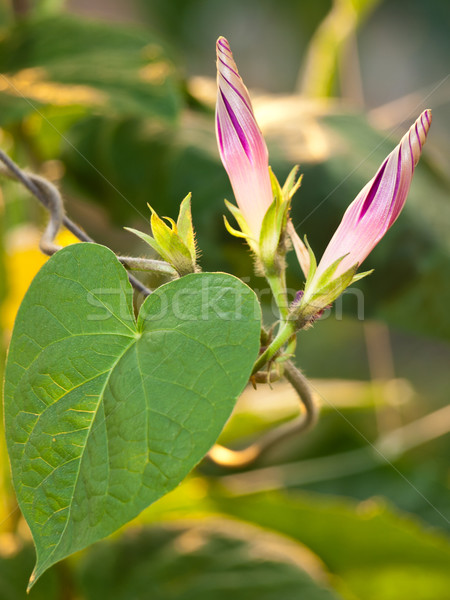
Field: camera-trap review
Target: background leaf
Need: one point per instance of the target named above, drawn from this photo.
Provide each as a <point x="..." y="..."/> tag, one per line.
<point x="374" y="551"/>
<point x="198" y="561"/>
<point x="65" y="61"/>
<point x="16" y="563"/>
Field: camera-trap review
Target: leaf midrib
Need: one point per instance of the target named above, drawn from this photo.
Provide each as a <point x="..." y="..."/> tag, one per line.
<point x="41" y="568"/>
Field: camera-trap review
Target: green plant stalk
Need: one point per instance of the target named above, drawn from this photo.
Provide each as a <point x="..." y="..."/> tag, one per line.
<point x="286" y="331"/>
<point x="277" y="284"/>
<point x="290" y="348"/>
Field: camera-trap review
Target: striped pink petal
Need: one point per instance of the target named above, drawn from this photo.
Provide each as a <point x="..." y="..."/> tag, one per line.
<point x="378" y="204"/>
<point x="241" y="145"/>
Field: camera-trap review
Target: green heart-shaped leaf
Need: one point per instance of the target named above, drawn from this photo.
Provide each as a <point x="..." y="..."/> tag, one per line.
<point x="104" y="414"/>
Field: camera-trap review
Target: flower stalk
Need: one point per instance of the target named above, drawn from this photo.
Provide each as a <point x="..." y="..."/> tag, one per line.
<point x="285" y="333"/>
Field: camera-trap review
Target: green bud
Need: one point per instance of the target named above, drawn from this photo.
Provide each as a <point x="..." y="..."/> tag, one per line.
<point x="174" y="242"/>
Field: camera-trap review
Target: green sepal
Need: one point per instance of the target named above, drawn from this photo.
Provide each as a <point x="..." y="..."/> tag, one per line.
<point x="233" y="231"/>
<point x="174" y="243"/>
<point x="173" y="227"/>
<point x="234" y="210"/>
<point x="186" y="228"/>
<point x="273" y="226"/>
<point x="173" y="249"/>
<point x="290" y="180"/>
<point x="312" y="264"/>
<point x="244" y="231"/>
<point x="283" y="202"/>
<point x="327" y="275"/>
<point x="277" y="192"/>
<point x="291" y="186"/>
<point x="323" y="296"/>
<point x="269" y="237"/>
<point x="323" y="292"/>
<point x="359" y="276"/>
<point x="332" y="290"/>
<point x="335" y="287"/>
<point x="147" y="239"/>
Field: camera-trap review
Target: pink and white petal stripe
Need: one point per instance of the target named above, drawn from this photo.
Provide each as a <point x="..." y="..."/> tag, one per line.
<point x="241" y="145"/>
<point x="379" y="203"/>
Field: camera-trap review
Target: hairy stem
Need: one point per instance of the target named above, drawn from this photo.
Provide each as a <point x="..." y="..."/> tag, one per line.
<point x="148" y="264"/>
<point x="278" y="286"/>
<point x="287" y="330"/>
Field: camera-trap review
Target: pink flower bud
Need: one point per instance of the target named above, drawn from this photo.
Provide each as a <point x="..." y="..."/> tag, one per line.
<point x="241" y="145"/>
<point x="378" y="204"/>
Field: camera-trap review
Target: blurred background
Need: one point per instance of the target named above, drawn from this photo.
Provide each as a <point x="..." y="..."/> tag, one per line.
<point x="114" y="102"/>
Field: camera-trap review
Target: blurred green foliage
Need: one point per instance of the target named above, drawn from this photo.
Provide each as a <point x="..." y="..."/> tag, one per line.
<point x="63" y="61"/>
<point x="16" y="564"/>
<point x="375" y="552"/>
<point x="197" y="561"/>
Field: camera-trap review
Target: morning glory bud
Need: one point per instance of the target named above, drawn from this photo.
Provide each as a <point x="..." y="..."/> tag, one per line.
<point x="241" y="145"/>
<point x="379" y="203"/>
<point x="364" y="223"/>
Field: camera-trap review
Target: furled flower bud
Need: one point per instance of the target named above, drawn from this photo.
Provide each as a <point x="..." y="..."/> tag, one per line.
<point x="241" y="145"/>
<point x="378" y="204"/>
<point x="365" y="221"/>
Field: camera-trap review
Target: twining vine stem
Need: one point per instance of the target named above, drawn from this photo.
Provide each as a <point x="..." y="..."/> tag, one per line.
<point x="225" y="457"/>
<point x="50" y="198"/>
